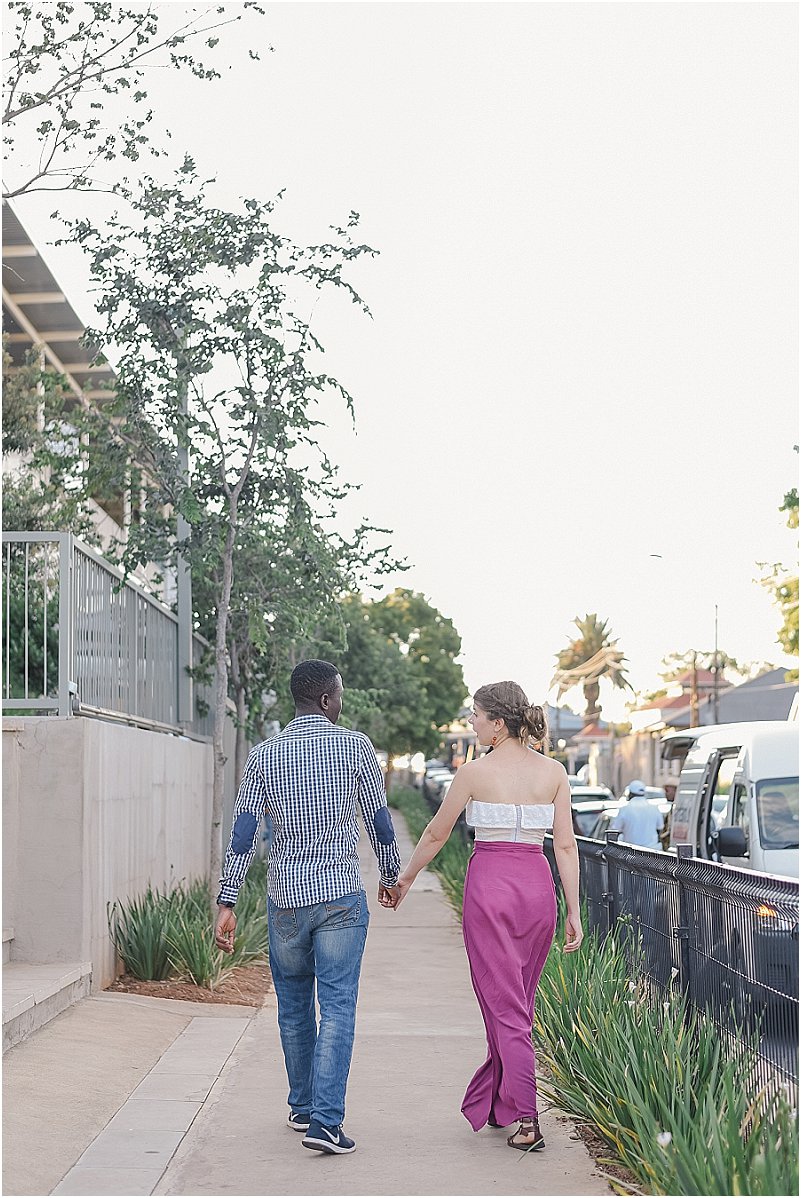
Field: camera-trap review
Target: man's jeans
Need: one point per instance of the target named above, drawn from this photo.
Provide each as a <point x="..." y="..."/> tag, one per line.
<point x="323" y="942"/>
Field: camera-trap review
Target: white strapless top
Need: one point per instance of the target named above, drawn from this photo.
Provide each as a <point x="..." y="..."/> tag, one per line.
<point x="520" y="823"/>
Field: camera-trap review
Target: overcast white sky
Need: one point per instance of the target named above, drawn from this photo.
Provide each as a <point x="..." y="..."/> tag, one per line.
<point x="584" y="345"/>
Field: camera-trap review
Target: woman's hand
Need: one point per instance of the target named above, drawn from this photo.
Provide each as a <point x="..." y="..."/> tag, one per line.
<point x="573" y="934"/>
<point x="404" y="886"/>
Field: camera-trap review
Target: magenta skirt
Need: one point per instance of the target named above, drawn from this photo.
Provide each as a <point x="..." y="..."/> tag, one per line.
<point x="508" y="920"/>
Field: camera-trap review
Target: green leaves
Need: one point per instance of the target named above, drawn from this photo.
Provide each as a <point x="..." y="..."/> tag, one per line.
<point x="162" y="934"/>
<point x="679" y="1107"/>
<point x="397" y="663"/>
<point x="58" y="61"/>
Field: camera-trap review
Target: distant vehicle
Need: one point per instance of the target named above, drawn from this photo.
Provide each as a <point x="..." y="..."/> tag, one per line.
<point x="655" y="793"/>
<point x="749" y="772"/>
<point x="434" y="780"/>
<point x="606" y="818"/>
<point x="737" y="803"/>
<point x="583" y="794"/>
<point x="587" y="803"/>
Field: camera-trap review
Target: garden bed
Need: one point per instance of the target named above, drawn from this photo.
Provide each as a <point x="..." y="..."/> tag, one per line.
<point x="245" y="985"/>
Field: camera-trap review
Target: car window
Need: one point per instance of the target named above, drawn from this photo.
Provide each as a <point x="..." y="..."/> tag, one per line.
<point x="777" y="812"/>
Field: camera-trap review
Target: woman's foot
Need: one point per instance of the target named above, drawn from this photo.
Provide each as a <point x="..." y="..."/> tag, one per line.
<point x="528" y="1136"/>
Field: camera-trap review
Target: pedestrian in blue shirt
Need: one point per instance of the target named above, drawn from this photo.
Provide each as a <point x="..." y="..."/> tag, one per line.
<point x="309" y="782"/>
<point x="638" y="821"/>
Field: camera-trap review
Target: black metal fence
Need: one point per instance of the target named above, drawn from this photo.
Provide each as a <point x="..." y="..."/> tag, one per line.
<point x="728" y="938"/>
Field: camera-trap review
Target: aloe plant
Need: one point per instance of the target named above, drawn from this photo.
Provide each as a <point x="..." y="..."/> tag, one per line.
<point x="657" y="1081"/>
<point x="193" y="953"/>
<point x="138" y="929"/>
<point x="159" y="935"/>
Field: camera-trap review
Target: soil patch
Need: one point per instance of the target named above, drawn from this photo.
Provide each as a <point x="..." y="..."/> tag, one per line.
<point x="604" y="1156"/>
<point x="246" y="985"/>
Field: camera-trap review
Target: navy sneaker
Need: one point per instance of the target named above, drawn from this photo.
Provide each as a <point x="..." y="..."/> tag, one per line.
<point x="299" y="1120"/>
<point x="327" y="1139"/>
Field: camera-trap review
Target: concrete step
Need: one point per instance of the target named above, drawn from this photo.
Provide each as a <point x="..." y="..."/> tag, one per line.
<point x="8" y="937"/>
<point x="35" y="994"/>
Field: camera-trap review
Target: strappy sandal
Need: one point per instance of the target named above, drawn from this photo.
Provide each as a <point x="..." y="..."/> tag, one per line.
<point x="528" y="1137"/>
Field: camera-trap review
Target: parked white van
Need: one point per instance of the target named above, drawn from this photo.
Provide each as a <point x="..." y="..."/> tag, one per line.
<point x="748" y="773"/>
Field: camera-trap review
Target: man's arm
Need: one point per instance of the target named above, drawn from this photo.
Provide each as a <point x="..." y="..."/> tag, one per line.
<point x="250" y="806"/>
<point x="376" y="816"/>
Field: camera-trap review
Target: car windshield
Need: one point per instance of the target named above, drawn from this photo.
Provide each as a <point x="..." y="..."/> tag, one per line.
<point x="584" y="821"/>
<point x="777" y="808"/>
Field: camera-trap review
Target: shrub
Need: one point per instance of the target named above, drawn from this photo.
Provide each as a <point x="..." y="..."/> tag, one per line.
<point x="655" y="1079"/>
<point x="160" y="934"/>
<point x="138" y="929"/>
<point x="192" y="950"/>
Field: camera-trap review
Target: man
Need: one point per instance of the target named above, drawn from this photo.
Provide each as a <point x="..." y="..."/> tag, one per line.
<point x="308" y="781"/>
<point x="638" y="821"/>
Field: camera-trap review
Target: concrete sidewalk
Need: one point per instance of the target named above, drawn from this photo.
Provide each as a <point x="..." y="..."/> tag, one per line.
<point x="203" y="1091"/>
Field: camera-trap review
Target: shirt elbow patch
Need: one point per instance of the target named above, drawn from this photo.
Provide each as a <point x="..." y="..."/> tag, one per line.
<point x="244" y="829"/>
<point x="382" y="822"/>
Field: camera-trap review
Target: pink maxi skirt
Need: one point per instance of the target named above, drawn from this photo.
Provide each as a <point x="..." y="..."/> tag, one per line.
<point x="508" y="920"/>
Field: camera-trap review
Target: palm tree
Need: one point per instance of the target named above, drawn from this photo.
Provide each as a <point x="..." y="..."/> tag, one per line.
<point x="591" y="656"/>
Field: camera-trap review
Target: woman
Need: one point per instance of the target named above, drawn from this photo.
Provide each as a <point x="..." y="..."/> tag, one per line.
<point x="510" y="797"/>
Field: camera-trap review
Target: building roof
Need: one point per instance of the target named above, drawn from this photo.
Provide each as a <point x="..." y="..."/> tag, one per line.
<point x="36" y="312"/>
<point x="703" y="678"/>
<point x="767" y="697"/>
<point x="593" y="731"/>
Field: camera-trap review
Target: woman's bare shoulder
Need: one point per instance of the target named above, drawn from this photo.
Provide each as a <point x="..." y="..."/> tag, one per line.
<point x="556" y="767"/>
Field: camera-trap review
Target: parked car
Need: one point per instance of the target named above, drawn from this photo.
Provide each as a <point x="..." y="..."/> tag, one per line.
<point x="606" y="818"/>
<point x="434" y="780"/>
<point x="654" y="793"/>
<point x="750" y="772"/>
<point x="587" y="803"/>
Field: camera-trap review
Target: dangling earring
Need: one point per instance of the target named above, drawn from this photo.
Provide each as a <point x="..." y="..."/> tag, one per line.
<point x="494" y="741"/>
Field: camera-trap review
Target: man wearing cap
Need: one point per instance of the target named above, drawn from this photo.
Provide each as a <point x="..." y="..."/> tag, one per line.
<point x="638" y="821"/>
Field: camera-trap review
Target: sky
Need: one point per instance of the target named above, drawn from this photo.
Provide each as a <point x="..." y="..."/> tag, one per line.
<point x="583" y="349"/>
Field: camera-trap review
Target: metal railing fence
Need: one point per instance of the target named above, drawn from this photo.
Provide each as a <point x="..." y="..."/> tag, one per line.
<point x="726" y="937"/>
<point x="80" y="638"/>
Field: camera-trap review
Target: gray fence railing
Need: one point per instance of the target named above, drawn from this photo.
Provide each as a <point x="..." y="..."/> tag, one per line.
<point x="80" y="638"/>
<point x="726" y="937"/>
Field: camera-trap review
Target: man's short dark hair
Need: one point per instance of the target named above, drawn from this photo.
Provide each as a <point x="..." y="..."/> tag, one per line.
<point x="311" y="680"/>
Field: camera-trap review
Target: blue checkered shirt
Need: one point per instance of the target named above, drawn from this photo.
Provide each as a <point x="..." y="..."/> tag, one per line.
<point x="308" y="780"/>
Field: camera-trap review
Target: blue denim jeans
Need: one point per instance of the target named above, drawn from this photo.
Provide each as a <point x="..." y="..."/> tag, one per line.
<point x="323" y="943"/>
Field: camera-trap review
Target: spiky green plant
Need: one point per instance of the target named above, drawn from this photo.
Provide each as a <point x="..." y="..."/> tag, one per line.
<point x="138" y="928"/>
<point x="658" y="1081"/>
<point x="192" y="951"/>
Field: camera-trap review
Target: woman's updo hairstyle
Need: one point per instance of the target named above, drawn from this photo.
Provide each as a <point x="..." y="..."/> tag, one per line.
<point x="508" y="702"/>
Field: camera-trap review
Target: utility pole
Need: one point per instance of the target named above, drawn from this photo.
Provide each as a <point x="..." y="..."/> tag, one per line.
<point x="694" y="693"/>
<point x="186" y="697"/>
<point x="715" y="671"/>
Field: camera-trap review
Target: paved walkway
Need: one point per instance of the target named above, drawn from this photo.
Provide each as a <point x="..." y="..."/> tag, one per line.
<point x="203" y="1092"/>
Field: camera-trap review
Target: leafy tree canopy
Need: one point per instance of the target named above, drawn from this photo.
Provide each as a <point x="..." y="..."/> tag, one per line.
<point x="76" y="88"/>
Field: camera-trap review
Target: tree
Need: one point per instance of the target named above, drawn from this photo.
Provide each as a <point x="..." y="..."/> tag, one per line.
<point x="782" y="582"/>
<point x="288" y="580"/>
<point x="591" y="656"/>
<point x="214" y="365"/>
<point x="431" y="643"/>
<point x="49" y="481"/>
<point x="65" y="61"/>
<point x="677" y="663"/>
<point x="396" y="656"/>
